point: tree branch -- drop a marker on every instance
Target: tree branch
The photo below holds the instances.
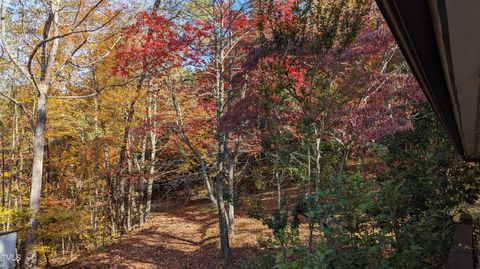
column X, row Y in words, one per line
column 16, row 102
column 40, row 44
column 3, row 42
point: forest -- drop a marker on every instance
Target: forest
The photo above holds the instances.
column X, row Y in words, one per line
column 220, row 134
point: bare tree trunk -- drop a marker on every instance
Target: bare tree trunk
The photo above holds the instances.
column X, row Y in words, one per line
column 141, row 183
column 152, row 112
column 318, row 154
column 130, row 201
column 121, row 220
column 110, row 210
column 20, row 176
column 2, row 142
column 309, row 168
column 95, row 174
column 231, row 194
column 233, row 158
column 186, row 140
column 277, row 168
column 222, row 216
column 341, row 163
column 37, row 172
column 130, row 205
column 15, row 150
column 124, row 198
column 222, row 140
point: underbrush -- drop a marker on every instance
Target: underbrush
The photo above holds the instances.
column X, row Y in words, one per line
column 265, row 260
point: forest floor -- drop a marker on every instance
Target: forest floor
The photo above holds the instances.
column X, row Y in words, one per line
column 182, row 235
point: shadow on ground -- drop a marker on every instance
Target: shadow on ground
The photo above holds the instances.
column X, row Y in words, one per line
column 177, row 236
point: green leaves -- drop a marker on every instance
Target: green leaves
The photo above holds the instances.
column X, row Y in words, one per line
column 424, row 183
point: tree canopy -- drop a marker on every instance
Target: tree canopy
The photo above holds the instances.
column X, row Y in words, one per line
column 108, row 108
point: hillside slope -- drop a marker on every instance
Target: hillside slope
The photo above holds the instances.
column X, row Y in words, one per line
column 177, row 236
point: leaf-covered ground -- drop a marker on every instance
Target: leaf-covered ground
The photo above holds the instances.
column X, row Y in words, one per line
column 180, row 236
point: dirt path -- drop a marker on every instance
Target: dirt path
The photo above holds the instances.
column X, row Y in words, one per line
column 177, row 236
